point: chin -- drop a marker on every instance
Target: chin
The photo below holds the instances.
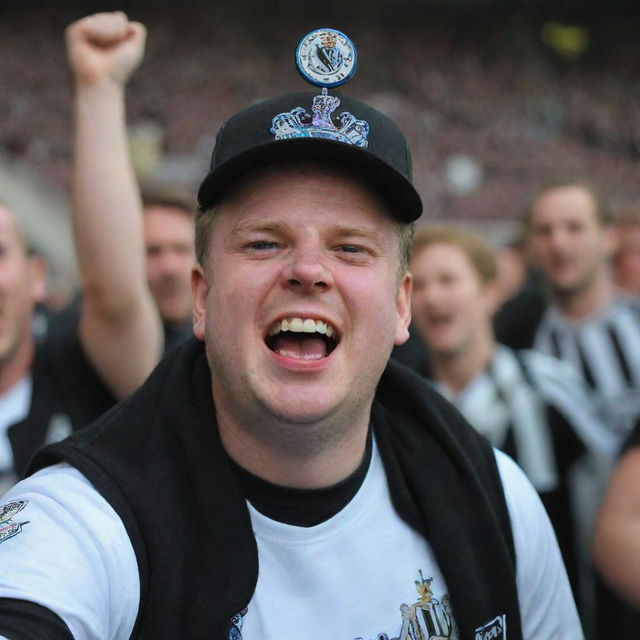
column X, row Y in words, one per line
column 301, row 406
column 300, row 415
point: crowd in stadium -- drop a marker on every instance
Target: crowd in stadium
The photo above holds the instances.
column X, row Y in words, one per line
column 494, row 92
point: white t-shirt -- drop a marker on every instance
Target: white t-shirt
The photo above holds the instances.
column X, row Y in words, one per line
column 14, row 407
column 361, row 574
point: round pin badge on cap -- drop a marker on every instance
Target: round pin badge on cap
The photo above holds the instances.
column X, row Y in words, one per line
column 326, row 58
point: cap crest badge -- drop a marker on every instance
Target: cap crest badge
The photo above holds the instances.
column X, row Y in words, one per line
column 326, row 58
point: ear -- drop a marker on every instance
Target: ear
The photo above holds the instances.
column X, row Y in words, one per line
column 403, row 310
column 38, row 269
column 199, row 291
column 492, row 296
column 610, row 240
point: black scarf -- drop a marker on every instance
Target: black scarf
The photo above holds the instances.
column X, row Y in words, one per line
column 158, row 460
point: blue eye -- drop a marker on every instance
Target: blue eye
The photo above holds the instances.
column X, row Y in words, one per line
column 350, row 248
column 264, row 245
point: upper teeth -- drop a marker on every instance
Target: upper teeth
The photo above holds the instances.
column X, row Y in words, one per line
column 298, row 325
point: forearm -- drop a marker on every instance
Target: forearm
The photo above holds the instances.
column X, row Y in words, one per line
column 616, row 548
column 107, row 211
column 119, row 326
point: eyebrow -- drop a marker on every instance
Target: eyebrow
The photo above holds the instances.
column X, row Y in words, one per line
column 258, row 225
column 351, row 231
column 338, row 229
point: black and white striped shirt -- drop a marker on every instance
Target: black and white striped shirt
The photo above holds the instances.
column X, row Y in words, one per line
column 509, row 404
column 605, row 349
column 537, row 409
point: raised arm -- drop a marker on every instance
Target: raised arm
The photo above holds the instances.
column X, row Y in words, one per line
column 616, row 548
column 120, row 327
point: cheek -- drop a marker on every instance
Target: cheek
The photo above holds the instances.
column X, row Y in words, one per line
column 152, row 266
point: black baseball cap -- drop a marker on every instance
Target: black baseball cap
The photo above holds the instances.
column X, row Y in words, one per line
column 246, row 142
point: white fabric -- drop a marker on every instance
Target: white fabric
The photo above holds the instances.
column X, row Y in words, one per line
column 14, row 407
column 560, row 385
column 501, row 400
column 617, row 399
column 352, row 575
column 74, row 557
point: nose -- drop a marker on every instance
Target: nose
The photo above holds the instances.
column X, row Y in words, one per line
column 558, row 238
column 169, row 263
column 307, row 272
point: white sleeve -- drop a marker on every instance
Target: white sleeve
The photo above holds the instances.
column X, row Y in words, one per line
column 63, row 547
column 546, row 603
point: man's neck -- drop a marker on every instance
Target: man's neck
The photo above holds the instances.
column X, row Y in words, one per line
column 298, row 456
column 16, row 365
column 578, row 305
column 455, row 370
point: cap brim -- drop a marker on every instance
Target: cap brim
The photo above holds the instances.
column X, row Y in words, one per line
column 400, row 195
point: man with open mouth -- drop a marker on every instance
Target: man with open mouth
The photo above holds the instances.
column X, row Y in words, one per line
column 277, row 476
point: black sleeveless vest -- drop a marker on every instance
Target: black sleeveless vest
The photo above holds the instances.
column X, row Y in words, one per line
column 159, row 462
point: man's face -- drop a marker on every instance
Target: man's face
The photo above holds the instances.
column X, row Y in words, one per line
column 566, row 239
column 296, row 245
column 168, row 233
column 627, row 263
column 450, row 304
column 21, row 285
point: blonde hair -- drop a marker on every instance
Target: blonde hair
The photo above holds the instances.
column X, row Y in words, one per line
column 471, row 244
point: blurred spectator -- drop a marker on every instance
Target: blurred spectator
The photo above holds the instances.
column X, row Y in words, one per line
column 528, row 404
column 83, row 364
column 626, row 260
column 168, row 233
column 585, row 323
column 513, row 267
column 616, row 547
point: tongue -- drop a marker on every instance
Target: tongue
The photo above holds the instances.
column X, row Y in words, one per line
column 301, row 348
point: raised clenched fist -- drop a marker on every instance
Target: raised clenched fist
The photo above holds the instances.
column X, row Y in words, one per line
column 105, row 47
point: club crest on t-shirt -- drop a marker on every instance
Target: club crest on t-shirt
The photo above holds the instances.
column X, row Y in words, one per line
column 429, row 618
column 8, row 528
column 235, row 625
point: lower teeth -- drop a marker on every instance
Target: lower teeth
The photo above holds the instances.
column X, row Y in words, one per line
column 298, row 356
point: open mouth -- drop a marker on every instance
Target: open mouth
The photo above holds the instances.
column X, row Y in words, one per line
column 439, row 321
column 302, row 339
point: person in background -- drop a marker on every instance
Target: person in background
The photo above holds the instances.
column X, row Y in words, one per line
column 168, row 235
column 626, row 259
column 585, row 322
column 530, row 405
column 616, row 545
column 86, row 361
column 513, row 267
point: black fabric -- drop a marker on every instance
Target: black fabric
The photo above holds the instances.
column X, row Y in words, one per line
column 585, row 365
column 175, row 335
column 620, row 355
column 158, row 459
column 413, row 353
column 634, row 437
column 302, row 507
column 22, row 620
column 66, row 387
column 517, row 321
